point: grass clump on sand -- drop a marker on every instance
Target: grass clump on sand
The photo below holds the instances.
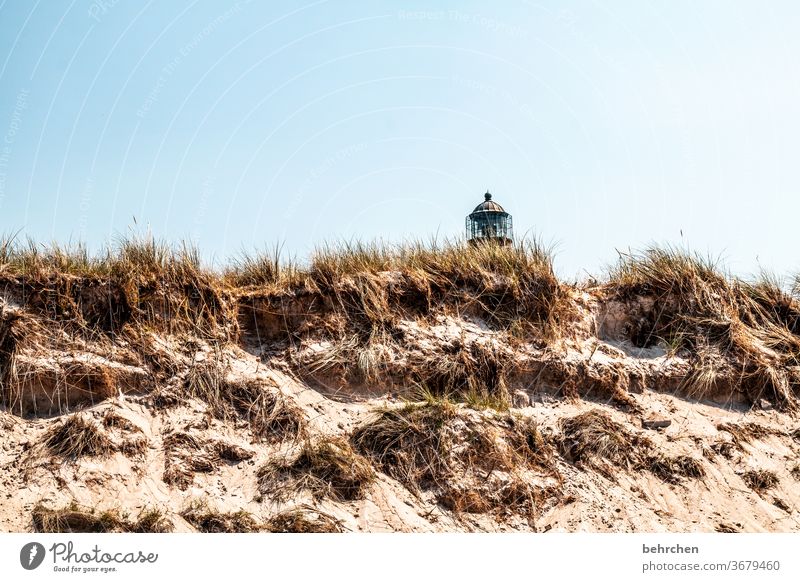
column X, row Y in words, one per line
column 272, row 415
column 207, row 520
column 326, row 467
column 760, row 480
column 411, row 443
column 740, row 336
column 474, row 374
column 303, row 519
column 76, row 519
column 471, row 462
column 77, row 437
column 594, row 440
column 674, row 469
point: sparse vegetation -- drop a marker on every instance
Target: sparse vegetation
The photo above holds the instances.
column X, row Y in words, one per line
column 76, row 519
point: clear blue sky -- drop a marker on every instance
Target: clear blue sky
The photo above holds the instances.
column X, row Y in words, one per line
column 598, row 125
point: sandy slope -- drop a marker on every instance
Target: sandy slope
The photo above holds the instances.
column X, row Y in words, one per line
column 633, row 501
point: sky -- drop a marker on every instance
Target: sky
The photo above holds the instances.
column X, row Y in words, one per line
column 602, row 127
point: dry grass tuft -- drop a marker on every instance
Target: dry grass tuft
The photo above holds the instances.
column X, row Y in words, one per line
column 272, row 415
column 473, row 373
column 11, row 334
column 327, row 467
column 675, row 469
column 304, row 519
column 410, row 444
column 760, row 480
column 265, row 269
column 77, row 437
column 595, row 440
column 76, row 519
column 134, row 447
column 73, row 519
column 7, row 421
column 782, row 504
column 231, row 452
column 207, row 520
column 151, row 521
column 140, row 281
column 725, row 448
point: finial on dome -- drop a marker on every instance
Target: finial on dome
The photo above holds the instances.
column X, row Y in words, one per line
column 487, row 196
